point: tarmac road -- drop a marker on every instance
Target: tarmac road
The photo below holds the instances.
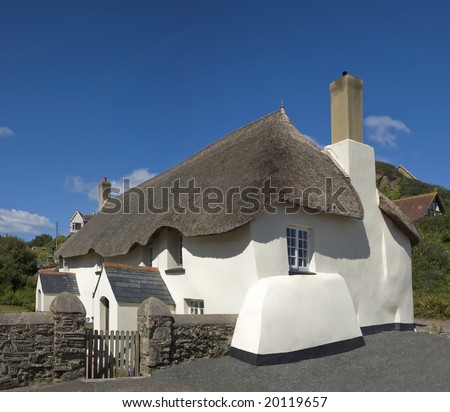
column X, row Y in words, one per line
column 390, row 361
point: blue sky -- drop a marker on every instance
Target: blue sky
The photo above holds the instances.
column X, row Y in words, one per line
column 130, row 88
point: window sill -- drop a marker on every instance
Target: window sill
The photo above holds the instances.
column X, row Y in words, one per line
column 300, row 272
column 176, row 271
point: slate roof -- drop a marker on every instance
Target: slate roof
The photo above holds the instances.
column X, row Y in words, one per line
column 416, row 207
column 134, row 284
column 53, row 282
column 268, row 149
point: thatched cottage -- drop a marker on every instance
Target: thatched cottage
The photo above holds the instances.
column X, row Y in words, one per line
column 263, row 223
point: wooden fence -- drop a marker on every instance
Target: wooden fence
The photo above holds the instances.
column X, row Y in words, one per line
column 111, row 354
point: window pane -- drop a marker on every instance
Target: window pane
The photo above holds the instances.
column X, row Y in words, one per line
column 297, row 248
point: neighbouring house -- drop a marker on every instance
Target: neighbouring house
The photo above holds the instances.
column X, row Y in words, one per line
column 405, row 172
column 263, row 223
column 415, row 207
column 50, row 283
column 78, row 220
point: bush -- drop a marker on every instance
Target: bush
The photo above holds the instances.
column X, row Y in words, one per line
column 431, row 279
column 24, row 297
column 432, row 306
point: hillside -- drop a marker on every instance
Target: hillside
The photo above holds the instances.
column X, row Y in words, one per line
column 396, row 186
column 431, row 257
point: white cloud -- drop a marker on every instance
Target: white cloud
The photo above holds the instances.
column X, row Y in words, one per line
column 136, row 177
column 77, row 185
column 384, row 130
column 5, row 132
column 18, row 221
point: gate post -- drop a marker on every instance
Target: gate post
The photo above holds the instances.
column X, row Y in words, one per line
column 69, row 317
column 155, row 325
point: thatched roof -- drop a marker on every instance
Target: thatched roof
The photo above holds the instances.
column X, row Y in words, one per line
column 389, row 208
column 269, row 148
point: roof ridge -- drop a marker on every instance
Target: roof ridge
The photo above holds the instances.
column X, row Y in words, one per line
column 130, row 267
column 416, row 196
column 54, row 272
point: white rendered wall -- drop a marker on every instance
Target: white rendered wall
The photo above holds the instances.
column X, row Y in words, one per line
column 127, row 316
column 381, row 287
column 283, row 314
column 39, row 301
column 44, row 300
column 135, row 257
column 84, row 268
column 104, row 290
column 219, row 269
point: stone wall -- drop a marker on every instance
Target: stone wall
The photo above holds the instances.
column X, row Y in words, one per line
column 26, row 349
column 43, row 347
column 201, row 336
column 168, row 339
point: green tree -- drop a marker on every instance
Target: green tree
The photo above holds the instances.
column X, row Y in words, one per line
column 40, row 240
column 17, row 265
column 51, row 246
column 16, row 261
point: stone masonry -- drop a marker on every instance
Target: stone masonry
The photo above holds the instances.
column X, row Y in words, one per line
column 168, row 339
column 26, row 349
column 43, row 347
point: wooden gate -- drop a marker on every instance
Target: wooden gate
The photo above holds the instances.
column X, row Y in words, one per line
column 111, row 354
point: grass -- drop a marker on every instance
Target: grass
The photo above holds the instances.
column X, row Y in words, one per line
column 447, row 247
column 12, row 309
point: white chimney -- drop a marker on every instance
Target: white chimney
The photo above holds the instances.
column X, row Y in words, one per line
column 346, row 109
column 347, row 149
column 104, row 191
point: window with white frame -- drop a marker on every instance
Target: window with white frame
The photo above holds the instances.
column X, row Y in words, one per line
column 195, row 306
column 76, row 226
column 298, row 245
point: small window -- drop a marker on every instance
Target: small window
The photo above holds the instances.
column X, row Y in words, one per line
column 434, row 209
column 195, row 306
column 298, row 248
column 66, row 264
column 76, row 226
